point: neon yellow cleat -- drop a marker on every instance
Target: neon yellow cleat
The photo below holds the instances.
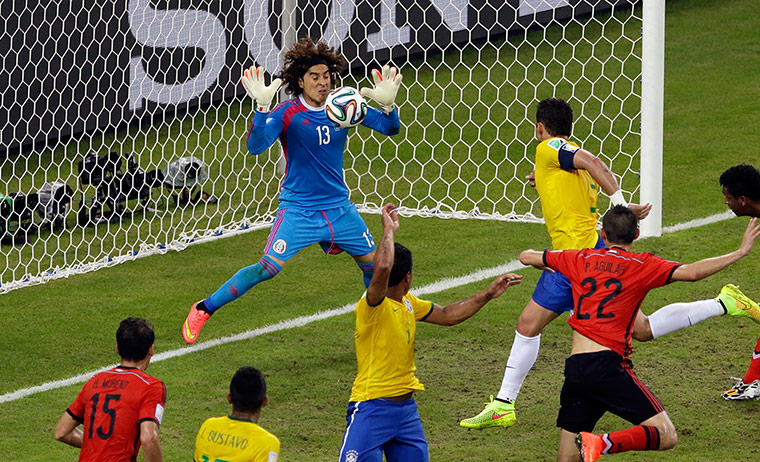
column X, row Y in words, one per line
column 738, row 304
column 194, row 323
column 496, row 414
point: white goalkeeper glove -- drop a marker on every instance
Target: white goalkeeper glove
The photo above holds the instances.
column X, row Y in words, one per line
column 253, row 81
column 386, row 87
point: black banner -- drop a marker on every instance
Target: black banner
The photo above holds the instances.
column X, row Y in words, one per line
column 74, row 67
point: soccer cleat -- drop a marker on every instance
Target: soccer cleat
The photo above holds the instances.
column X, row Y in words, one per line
column 194, row 323
column 590, row 446
column 496, row 414
column 742, row 391
column 738, row 304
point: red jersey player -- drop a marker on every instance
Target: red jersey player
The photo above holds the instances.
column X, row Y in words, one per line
column 120, row 408
column 608, row 287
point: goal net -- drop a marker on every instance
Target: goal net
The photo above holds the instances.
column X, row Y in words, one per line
column 125, row 124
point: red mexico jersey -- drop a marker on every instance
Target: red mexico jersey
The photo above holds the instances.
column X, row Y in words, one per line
column 608, row 288
column 112, row 405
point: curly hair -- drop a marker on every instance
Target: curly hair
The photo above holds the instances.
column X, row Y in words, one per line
column 301, row 57
column 742, row 180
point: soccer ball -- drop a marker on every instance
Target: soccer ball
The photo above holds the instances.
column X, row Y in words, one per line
column 345, row 107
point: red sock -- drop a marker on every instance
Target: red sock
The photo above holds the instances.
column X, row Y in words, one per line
column 641, row 438
column 753, row 373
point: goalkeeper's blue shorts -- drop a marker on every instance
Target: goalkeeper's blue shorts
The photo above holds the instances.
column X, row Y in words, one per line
column 379, row 426
column 335, row 230
column 553, row 290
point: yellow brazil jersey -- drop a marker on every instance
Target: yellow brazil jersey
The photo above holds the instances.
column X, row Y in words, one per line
column 384, row 342
column 568, row 198
column 235, row 440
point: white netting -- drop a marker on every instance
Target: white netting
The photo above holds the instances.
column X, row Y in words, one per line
column 157, row 86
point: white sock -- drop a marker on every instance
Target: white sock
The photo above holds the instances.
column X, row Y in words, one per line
column 676, row 316
column 521, row 360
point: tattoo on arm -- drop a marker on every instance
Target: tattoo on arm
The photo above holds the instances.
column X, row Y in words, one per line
column 385, row 244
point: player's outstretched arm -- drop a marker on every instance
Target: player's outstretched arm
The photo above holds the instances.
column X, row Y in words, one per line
column 253, row 82
column 265, row 128
column 386, row 87
column 709, row 266
column 534, row 258
column 67, row 431
column 384, row 255
column 455, row 313
column 601, row 174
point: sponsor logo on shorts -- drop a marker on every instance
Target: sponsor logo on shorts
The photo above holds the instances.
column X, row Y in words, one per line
column 280, row 246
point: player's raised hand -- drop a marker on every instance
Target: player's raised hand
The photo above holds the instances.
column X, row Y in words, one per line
column 641, row 211
column 390, row 218
column 750, row 235
column 387, row 84
column 253, row 82
column 501, row 284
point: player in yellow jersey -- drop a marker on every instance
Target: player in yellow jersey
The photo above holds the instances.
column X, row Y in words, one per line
column 568, row 180
column 382, row 416
column 238, row 437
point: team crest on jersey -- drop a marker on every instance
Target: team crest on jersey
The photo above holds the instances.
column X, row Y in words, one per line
column 408, row 306
column 556, row 143
column 352, row 456
column 280, row 246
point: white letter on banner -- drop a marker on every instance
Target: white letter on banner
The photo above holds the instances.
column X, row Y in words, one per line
column 453, row 12
column 389, row 34
column 260, row 41
column 174, row 29
column 341, row 15
column 531, row 7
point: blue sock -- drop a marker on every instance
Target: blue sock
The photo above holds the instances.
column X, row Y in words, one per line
column 242, row 282
column 368, row 269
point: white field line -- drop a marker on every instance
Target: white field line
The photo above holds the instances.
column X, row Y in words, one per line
column 433, row 288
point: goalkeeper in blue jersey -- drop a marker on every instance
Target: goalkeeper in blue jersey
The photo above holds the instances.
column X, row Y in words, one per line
column 314, row 201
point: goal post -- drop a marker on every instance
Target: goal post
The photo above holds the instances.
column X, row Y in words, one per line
column 126, row 122
column 652, row 113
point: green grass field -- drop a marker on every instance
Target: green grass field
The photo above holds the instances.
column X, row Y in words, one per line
column 66, row 327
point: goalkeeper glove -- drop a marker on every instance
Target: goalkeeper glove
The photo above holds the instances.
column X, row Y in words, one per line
column 386, row 87
column 253, row 81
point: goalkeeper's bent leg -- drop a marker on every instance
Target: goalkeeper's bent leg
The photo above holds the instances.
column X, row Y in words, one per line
column 242, row 282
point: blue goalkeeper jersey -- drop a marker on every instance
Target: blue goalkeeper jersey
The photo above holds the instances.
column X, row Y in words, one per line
column 314, row 150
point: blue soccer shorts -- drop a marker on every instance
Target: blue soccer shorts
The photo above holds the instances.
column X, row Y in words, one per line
column 335, row 230
column 554, row 291
column 379, row 426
